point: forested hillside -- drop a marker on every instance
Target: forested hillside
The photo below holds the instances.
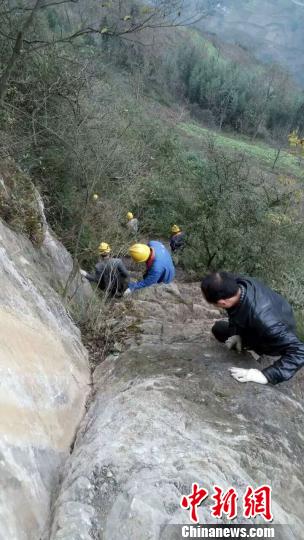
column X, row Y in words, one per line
column 271, row 29
column 126, row 101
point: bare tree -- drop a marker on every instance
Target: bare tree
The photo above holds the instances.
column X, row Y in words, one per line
column 19, row 25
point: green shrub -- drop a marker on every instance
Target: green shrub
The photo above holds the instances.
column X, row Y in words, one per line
column 233, row 219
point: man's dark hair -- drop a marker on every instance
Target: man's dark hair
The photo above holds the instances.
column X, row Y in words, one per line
column 219, row 286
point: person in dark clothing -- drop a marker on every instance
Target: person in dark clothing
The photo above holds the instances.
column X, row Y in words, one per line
column 110, row 273
column 177, row 238
column 259, row 320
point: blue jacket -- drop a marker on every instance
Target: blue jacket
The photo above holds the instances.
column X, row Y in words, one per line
column 161, row 271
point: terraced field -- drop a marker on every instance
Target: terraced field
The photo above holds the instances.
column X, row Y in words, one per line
column 262, row 155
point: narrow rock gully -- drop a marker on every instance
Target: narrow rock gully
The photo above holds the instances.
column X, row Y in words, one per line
column 165, row 413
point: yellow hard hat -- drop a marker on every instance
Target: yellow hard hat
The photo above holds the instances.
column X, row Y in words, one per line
column 95, row 197
column 139, row 252
column 130, row 215
column 175, row 229
column 104, row 248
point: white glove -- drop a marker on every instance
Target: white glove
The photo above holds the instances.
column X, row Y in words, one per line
column 234, row 342
column 248, row 375
column 127, row 292
column 83, row 272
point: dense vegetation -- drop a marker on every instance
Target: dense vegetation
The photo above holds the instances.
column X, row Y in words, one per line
column 95, row 98
column 247, row 98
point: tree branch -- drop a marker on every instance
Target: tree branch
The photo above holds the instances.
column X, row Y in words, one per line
column 16, row 51
column 43, row 6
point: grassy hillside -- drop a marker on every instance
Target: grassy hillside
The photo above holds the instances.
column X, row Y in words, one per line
column 260, row 154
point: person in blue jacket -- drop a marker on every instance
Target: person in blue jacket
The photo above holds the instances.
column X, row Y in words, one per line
column 159, row 265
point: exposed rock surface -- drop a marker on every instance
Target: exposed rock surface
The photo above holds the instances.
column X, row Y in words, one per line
column 45, row 380
column 166, row 413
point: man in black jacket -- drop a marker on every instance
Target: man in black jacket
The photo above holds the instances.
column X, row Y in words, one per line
column 110, row 273
column 177, row 238
column 260, row 320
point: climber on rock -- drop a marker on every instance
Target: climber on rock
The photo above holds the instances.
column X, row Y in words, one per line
column 110, row 273
column 159, row 265
column 259, row 320
column 132, row 223
column 177, row 238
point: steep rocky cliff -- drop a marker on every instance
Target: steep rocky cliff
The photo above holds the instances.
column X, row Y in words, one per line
column 163, row 411
column 45, row 378
column 166, row 413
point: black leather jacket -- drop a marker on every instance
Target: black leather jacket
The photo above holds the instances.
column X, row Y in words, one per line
column 266, row 323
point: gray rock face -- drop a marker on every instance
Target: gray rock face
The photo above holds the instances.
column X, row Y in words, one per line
column 166, row 413
column 44, row 380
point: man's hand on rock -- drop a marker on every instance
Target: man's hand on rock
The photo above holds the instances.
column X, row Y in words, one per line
column 248, row 375
column 234, row 342
column 83, row 273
